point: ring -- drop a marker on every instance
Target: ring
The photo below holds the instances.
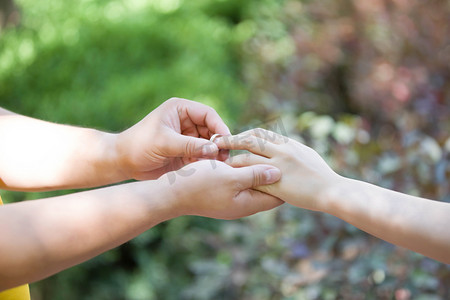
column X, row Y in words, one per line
column 214, row 136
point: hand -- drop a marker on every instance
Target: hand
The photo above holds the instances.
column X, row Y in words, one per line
column 213, row 189
column 305, row 175
column 174, row 134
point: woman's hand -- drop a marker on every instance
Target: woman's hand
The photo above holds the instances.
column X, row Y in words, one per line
column 305, row 175
column 415, row 223
column 213, row 189
column 174, row 134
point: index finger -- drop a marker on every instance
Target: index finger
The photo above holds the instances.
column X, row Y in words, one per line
column 249, row 142
column 203, row 115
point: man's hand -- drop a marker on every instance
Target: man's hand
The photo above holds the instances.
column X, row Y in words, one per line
column 39, row 155
column 64, row 231
column 213, row 189
column 174, row 134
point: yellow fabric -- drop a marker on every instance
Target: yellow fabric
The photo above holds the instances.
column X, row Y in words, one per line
column 18, row 293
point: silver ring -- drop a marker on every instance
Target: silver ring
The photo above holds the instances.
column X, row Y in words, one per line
column 214, row 136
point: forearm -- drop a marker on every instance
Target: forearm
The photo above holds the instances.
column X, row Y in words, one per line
column 415, row 223
column 38, row 155
column 39, row 238
column 307, row 181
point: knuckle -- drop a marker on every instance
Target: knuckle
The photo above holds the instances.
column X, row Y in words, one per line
column 188, row 147
column 257, row 177
column 210, row 109
column 249, row 141
column 173, row 99
column 259, row 131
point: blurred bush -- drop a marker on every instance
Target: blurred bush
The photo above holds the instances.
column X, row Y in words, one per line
column 366, row 84
column 108, row 63
column 387, row 61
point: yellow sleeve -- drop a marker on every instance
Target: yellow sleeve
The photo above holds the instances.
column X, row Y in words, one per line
column 18, row 293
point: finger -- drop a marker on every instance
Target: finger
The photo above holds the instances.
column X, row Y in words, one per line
column 188, row 146
column 245, row 160
column 253, row 176
column 253, row 201
column 223, row 155
column 247, row 142
column 191, row 129
column 204, row 132
column 268, row 135
column 203, row 115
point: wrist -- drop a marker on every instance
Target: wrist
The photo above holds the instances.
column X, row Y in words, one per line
column 111, row 158
column 152, row 198
column 173, row 195
column 331, row 199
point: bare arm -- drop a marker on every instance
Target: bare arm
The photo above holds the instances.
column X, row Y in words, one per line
column 39, row 155
column 415, row 223
column 41, row 237
column 419, row 224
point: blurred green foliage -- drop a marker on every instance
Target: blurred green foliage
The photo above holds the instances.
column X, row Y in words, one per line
column 365, row 83
column 108, row 63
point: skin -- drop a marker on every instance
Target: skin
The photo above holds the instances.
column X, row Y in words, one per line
column 70, row 229
column 415, row 223
column 42, row 237
column 39, row 156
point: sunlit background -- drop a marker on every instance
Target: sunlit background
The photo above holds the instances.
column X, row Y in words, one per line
column 365, row 83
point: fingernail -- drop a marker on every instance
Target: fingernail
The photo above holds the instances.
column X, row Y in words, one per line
column 272, row 175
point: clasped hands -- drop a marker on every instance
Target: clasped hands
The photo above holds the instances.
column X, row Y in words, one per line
column 172, row 145
column 180, row 172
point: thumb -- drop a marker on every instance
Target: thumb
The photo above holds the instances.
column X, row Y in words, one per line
column 189, row 146
column 257, row 175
